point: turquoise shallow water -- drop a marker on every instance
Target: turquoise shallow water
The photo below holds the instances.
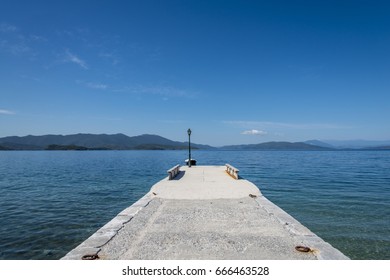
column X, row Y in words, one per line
column 50, row 201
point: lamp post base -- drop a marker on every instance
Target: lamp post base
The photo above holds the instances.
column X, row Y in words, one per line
column 193, row 162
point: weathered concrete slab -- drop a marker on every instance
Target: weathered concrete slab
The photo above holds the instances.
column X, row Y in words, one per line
column 204, row 229
column 204, row 213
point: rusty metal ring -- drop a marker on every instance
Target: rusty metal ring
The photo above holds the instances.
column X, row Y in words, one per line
column 303, row 249
column 90, row 257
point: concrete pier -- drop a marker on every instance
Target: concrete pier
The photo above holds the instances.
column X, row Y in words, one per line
column 204, row 213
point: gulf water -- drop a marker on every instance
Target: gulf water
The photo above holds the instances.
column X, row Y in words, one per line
column 50, row 201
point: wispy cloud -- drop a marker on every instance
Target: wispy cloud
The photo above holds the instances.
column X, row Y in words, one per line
column 15, row 48
column 12, row 40
column 70, row 57
column 97, row 86
column 173, row 121
column 37, row 38
column 31, row 78
column 113, row 58
column 254, row 132
column 7, row 28
column 6, row 112
column 267, row 124
column 17, row 42
column 164, row 91
column 105, row 118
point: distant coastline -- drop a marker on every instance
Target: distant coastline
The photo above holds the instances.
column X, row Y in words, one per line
column 87, row 142
column 84, row 142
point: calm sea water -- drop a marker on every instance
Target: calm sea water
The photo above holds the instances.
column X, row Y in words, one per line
column 50, row 201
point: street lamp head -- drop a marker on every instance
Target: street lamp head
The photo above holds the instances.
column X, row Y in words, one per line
column 189, row 132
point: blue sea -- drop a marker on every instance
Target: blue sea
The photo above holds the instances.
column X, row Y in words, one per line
column 50, row 201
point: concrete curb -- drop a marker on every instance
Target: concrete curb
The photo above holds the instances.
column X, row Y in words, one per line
column 92, row 245
column 321, row 249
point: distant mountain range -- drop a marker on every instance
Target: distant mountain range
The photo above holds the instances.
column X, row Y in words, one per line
column 350, row 144
column 296, row 146
column 154, row 142
column 94, row 142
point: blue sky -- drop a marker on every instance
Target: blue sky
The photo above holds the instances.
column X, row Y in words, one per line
column 235, row 72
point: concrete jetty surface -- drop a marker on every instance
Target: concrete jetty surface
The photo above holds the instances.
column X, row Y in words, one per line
column 204, row 213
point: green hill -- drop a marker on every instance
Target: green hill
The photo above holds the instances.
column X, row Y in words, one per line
column 94, row 142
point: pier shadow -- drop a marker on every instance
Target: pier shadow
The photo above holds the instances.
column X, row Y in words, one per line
column 179, row 176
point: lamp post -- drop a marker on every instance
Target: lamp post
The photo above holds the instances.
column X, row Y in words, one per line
column 189, row 147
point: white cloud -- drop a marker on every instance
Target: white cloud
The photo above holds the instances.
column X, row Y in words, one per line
column 6, row 112
column 254, row 132
column 75, row 59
